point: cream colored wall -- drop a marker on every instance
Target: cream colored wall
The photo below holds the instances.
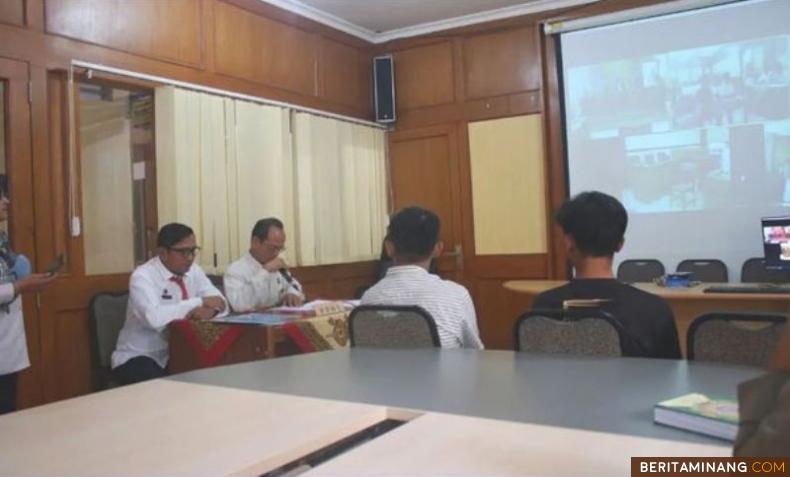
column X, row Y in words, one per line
column 106, row 169
column 508, row 190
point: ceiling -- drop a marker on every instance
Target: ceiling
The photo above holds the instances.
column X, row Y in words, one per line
column 378, row 21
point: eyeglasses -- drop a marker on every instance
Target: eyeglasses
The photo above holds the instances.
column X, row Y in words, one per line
column 186, row 252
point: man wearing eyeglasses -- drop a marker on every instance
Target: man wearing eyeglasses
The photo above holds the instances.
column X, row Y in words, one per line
column 260, row 278
column 168, row 287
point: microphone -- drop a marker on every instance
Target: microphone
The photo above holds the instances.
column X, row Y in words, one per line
column 284, row 272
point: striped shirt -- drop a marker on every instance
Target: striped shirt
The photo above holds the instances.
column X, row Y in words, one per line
column 448, row 303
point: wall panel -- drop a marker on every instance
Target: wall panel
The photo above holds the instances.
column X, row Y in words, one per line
column 168, row 30
column 424, row 76
column 502, row 62
column 344, row 74
column 256, row 48
column 12, row 11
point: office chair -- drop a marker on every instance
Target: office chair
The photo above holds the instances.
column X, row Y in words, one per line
column 737, row 338
column 389, row 326
column 705, row 269
column 640, row 270
column 107, row 316
column 755, row 271
column 582, row 332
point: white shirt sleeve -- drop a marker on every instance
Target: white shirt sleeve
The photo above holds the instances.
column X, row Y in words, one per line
column 204, row 287
column 145, row 303
column 248, row 293
column 7, row 294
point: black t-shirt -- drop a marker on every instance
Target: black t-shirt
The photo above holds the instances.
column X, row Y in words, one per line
column 647, row 318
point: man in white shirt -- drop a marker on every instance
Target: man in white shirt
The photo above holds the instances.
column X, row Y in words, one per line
column 412, row 241
column 260, row 278
column 166, row 288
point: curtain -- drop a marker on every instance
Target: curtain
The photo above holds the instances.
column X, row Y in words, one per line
column 341, row 183
column 262, row 170
column 222, row 164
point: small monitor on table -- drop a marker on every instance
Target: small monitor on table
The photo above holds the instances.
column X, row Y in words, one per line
column 776, row 242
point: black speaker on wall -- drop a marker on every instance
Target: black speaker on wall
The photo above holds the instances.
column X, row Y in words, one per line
column 384, row 88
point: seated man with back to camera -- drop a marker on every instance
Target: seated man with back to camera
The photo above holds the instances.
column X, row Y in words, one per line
column 594, row 225
column 412, row 241
column 168, row 287
column 260, row 278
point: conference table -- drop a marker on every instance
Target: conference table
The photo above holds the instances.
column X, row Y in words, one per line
column 686, row 303
column 444, row 412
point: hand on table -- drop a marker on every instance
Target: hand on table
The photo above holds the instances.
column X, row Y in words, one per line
column 214, row 302
column 293, row 300
column 202, row 313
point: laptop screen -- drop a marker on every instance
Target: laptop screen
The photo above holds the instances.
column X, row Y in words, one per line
column 776, row 242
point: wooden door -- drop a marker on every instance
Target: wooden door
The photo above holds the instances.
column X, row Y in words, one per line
column 15, row 155
column 424, row 171
column 488, row 270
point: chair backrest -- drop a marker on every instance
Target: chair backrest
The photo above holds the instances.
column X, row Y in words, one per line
column 107, row 316
column 640, row 270
column 705, row 269
column 380, row 326
column 217, row 281
column 582, row 332
column 755, row 271
column 738, row 338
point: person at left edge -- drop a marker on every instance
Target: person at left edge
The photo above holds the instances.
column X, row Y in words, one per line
column 13, row 343
column 168, row 287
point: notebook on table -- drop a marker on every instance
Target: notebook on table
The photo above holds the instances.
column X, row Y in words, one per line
column 698, row 413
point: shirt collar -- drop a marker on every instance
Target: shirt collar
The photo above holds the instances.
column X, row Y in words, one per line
column 253, row 261
column 406, row 270
column 164, row 272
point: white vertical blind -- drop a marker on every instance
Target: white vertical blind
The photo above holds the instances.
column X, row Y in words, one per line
column 222, row 164
column 342, row 194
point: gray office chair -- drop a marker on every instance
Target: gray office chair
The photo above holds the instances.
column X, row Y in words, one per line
column 736, row 338
column 378, row 326
column 646, row 270
column 755, row 271
column 705, row 269
column 107, row 316
column 582, row 332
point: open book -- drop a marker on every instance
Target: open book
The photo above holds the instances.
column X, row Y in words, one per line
column 314, row 308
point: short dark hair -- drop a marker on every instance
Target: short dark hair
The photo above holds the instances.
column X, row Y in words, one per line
column 172, row 233
column 261, row 229
column 3, row 185
column 414, row 232
column 596, row 221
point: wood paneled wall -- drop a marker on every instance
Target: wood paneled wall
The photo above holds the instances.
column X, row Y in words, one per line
column 245, row 46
